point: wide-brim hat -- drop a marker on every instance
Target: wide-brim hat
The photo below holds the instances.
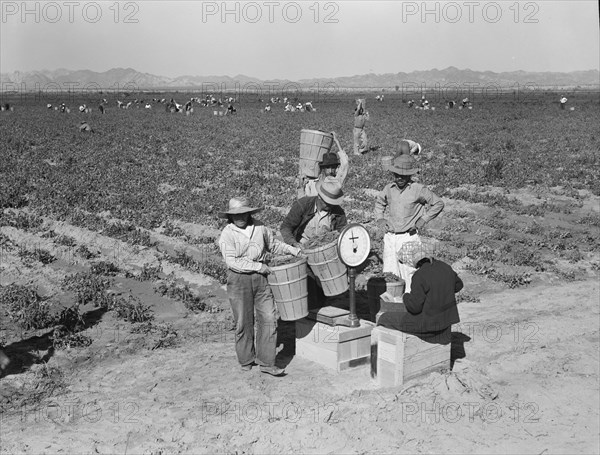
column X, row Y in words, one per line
column 237, row 206
column 330, row 159
column 330, row 191
column 404, row 165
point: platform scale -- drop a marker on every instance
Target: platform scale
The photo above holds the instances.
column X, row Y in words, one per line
column 331, row 336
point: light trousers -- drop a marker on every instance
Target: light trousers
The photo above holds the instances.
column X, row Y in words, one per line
column 391, row 245
column 360, row 140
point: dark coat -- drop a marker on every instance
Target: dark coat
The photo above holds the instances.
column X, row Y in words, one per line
column 302, row 211
column 431, row 304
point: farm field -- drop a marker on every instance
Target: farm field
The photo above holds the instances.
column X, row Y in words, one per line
column 114, row 313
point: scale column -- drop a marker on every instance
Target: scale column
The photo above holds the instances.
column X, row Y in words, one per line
column 354, row 322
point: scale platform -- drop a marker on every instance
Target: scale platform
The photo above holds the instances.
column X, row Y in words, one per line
column 328, row 315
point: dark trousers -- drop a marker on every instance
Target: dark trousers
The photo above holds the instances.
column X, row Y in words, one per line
column 316, row 297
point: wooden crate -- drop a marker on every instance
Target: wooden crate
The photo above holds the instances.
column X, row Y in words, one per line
column 337, row 347
column 401, row 357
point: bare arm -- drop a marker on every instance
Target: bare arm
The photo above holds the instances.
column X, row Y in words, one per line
column 342, row 171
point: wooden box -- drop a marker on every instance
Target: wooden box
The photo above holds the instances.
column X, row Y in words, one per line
column 401, row 357
column 334, row 347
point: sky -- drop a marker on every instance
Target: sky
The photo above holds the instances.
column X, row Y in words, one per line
column 299, row 40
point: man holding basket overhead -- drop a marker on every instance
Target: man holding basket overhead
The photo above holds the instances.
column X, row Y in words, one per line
column 333, row 167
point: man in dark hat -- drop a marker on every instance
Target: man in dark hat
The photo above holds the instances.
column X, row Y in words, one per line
column 410, row 206
column 333, row 167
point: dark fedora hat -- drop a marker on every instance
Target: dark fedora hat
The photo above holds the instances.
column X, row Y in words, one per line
column 330, row 159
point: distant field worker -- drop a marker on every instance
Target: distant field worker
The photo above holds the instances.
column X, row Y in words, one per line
column 244, row 244
column 410, row 206
column 408, row 147
column 361, row 116
column 563, row 102
column 333, row 167
column 84, row 126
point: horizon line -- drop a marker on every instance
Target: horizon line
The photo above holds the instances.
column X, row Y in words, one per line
column 299, row 79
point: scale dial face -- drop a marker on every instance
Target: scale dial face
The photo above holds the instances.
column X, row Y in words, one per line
column 354, row 245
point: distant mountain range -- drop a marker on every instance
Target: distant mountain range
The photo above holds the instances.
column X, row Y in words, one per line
column 122, row 78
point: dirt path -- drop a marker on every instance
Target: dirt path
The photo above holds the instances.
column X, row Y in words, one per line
column 527, row 383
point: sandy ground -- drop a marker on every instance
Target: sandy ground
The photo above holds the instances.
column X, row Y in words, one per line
column 525, row 378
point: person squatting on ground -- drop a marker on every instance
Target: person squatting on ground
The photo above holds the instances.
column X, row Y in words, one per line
column 244, row 244
column 408, row 147
column 410, row 206
column 360, row 119
column 431, row 304
column 333, row 167
column 311, row 216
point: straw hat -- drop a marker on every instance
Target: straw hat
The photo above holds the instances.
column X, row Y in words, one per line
column 237, row 206
column 330, row 191
column 404, row 165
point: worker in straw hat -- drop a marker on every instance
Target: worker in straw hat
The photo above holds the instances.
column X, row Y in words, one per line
column 410, row 206
column 310, row 217
column 333, row 167
column 431, row 304
column 244, row 244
